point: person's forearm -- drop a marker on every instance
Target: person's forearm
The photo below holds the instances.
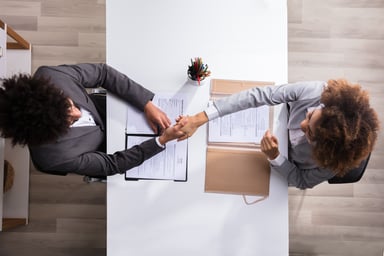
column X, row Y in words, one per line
column 199, row 119
column 125, row 88
column 163, row 139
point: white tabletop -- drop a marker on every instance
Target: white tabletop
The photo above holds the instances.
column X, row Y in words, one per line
column 153, row 42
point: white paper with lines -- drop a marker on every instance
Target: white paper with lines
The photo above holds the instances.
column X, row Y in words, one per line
column 171, row 164
column 246, row 126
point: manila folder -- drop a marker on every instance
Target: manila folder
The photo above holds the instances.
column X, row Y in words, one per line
column 234, row 171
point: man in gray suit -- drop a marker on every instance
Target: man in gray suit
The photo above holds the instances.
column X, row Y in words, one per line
column 331, row 127
column 65, row 128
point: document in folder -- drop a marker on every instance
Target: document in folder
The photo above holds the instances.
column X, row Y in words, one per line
column 235, row 164
column 246, row 126
column 170, row 164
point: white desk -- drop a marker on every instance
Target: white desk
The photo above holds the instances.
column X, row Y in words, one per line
column 153, row 42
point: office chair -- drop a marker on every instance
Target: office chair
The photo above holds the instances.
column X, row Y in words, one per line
column 89, row 179
column 98, row 96
column 353, row 175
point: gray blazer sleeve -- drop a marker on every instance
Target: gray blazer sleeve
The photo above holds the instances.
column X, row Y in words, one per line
column 269, row 95
column 90, row 75
column 302, row 178
column 97, row 163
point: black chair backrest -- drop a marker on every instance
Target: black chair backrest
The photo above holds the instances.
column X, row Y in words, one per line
column 353, row 175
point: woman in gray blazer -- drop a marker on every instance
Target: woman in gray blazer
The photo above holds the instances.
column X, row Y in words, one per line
column 331, row 127
column 53, row 114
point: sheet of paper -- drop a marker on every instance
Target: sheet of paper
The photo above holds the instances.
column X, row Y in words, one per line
column 246, row 126
column 172, row 105
column 171, row 164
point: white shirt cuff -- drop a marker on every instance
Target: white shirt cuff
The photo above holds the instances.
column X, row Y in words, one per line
column 279, row 160
column 158, row 143
column 211, row 111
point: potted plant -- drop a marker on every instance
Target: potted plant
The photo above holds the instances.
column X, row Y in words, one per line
column 198, row 71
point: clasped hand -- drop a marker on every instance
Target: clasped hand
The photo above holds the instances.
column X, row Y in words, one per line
column 270, row 145
column 161, row 124
column 156, row 118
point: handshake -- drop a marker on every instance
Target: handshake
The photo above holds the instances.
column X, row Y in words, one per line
column 186, row 126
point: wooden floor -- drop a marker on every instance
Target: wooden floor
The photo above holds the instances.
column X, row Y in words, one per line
column 326, row 39
column 67, row 216
column 332, row 39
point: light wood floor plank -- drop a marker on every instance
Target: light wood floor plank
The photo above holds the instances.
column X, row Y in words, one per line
column 341, row 204
column 54, row 240
column 72, row 24
column 40, row 251
column 73, row 225
column 334, row 247
column 92, row 40
column 357, row 4
column 20, row 8
column 324, row 189
column 23, row 23
column 72, row 8
column 51, row 38
column 42, row 211
column 69, row 189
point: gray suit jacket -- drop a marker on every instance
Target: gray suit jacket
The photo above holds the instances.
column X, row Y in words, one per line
column 299, row 168
column 79, row 151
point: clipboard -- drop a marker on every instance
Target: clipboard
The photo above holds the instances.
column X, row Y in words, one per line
column 172, row 163
column 237, row 168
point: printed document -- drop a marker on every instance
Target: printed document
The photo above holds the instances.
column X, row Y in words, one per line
column 246, row 126
column 171, row 164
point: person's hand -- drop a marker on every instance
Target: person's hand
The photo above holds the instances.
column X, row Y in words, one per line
column 189, row 124
column 269, row 145
column 171, row 133
column 156, row 117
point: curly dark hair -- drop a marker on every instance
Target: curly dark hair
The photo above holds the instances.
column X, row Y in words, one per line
column 32, row 110
column 347, row 129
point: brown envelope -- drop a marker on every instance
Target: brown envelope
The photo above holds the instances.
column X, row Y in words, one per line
column 234, row 171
